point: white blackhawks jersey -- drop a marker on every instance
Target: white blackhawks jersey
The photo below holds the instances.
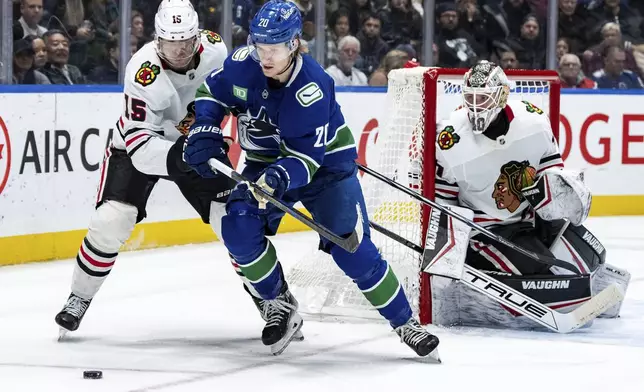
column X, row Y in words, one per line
column 159, row 103
column 487, row 175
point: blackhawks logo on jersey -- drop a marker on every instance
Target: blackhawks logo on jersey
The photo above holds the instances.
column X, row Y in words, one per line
column 531, row 108
column 211, row 36
column 513, row 178
column 447, row 138
column 185, row 124
column 147, row 74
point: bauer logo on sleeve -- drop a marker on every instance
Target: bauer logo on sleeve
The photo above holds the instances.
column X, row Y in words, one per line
column 447, row 138
column 309, row 94
column 147, row 74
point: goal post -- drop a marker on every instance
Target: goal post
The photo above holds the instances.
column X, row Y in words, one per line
column 417, row 99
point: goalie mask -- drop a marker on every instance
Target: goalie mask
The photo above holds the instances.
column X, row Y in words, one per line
column 485, row 94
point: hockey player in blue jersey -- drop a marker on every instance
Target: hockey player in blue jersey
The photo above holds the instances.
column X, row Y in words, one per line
column 298, row 148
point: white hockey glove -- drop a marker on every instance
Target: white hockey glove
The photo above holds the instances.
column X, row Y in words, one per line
column 560, row 194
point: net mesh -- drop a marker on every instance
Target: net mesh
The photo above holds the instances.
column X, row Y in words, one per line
column 398, row 153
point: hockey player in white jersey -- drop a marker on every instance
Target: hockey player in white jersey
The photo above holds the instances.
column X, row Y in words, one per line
column 160, row 84
column 499, row 163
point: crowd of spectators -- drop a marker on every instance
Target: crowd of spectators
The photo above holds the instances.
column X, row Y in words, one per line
column 600, row 41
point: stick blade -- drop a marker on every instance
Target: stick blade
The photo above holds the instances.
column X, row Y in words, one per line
column 597, row 305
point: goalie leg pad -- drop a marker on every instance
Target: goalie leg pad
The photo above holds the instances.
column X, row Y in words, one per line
column 606, row 275
column 446, row 243
column 109, row 228
column 579, row 247
column 376, row 280
column 488, row 255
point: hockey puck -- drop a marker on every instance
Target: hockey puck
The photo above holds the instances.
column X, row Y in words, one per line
column 92, row 374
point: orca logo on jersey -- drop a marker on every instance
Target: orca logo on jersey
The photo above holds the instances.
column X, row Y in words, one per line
column 211, row 36
column 254, row 130
column 447, row 138
column 513, row 178
column 147, row 74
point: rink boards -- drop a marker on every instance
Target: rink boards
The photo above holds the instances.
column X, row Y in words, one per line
column 52, row 144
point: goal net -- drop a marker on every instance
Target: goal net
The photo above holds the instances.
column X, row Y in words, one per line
column 404, row 151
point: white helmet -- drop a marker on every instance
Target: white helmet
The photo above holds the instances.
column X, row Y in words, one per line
column 485, row 93
column 177, row 32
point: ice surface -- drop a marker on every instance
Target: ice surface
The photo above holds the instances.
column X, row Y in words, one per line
column 176, row 319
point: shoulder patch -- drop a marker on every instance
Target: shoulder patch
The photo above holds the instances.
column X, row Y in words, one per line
column 240, row 92
column 309, row 94
column 531, row 108
column 241, row 54
column 211, row 36
column 147, row 74
column 447, row 138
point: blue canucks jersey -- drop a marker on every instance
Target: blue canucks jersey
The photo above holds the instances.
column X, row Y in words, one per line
column 299, row 126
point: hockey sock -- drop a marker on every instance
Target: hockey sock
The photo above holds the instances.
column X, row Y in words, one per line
column 376, row 280
column 92, row 267
column 262, row 272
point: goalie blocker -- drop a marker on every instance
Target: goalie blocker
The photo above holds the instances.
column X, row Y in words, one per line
column 448, row 246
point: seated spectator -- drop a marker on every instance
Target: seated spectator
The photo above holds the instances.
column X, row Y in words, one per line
column 344, row 73
column 40, row 52
column 372, row 47
column 243, row 12
column 503, row 19
column 563, row 47
column 594, row 58
column 628, row 19
column 401, row 24
column 571, row 75
column 138, row 29
column 457, row 48
column 240, row 37
column 529, row 47
column 31, row 12
column 107, row 72
column 307, row 10
column 508, row 60
column 613, row 75
column 395, row 59
column 359, row 10
column 573, row 21
column 338, row 27
column 471, row 21
column 23, row 64
column 58, row 70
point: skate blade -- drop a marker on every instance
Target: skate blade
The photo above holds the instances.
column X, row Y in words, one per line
column 296, row 325
column 298, row 336
column 62, row 332
column 433, row 357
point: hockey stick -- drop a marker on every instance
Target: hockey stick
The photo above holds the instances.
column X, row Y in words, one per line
column 350, row 244
column 544, row 259
column 521, row 303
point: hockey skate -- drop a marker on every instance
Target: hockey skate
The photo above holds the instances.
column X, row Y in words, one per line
column 261, row 304
column 418, row 339
column 70, row 317
column 282, row 321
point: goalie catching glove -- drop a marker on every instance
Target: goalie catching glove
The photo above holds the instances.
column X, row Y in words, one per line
column 559, row 194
